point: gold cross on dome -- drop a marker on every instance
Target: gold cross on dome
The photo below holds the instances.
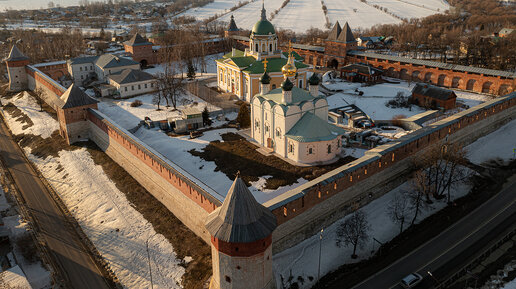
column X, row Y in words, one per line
column 265, row 64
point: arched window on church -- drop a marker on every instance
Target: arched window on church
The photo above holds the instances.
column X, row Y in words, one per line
column 329, row 149
column 278, row 132
column 256, row 47
column 270, row 47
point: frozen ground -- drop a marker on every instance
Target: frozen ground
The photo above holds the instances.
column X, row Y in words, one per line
column 211, row 67
column 117, row 230
column 45, row 124
column 300, row 15
column 500, row 144
column 374, row 98
column 301, row 260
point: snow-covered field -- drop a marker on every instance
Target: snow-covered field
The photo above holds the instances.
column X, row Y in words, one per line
column 359, row 14
column 500, row 144
column 217, row 7
column 247, row 15
column 300, row 15
column 301, row 260
column 118, row 231
column 374, row 98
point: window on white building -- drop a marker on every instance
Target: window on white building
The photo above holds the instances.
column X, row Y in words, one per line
column 291, row 147
column 125, row 88
column 278, row 132
column 139, row 86
column 310, row 151
column 132, row 87
column 145, row 85
column 256, row 123
column 329, row 149
column 80, row 68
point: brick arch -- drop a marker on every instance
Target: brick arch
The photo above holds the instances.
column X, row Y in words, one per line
column 415, row 74
column 391, row 71
column 404, row 74
column 504, row 89
column 486, row 87
column 456, row 82
column 441, row 79
column 470, row 84
column 428, row 77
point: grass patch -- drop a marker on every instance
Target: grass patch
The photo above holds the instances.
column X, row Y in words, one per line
column 235, row 154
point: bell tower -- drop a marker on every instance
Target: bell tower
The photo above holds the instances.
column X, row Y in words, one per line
column 16, row 62
column 241, row 241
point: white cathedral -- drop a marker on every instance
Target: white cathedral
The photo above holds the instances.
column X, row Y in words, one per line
column 293, row 122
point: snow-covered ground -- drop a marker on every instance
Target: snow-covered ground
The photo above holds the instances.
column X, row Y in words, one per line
column 300, row 15
column 247, row 15
column 500, row 144
column 218, row 7
column 301, row 260
column 510, row 285
column 359, row 14
column 118, row 231
column 211, row 67
column 27, row 104
column 374, row 98
column 36, row 274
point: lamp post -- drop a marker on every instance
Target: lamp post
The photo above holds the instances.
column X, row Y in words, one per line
column 431, row 275
column 320, row 249
column 148, row 258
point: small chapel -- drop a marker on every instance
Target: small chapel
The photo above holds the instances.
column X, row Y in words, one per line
column 238, row 72
column 293, row 122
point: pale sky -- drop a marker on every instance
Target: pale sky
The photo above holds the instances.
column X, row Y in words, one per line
column 33, row 4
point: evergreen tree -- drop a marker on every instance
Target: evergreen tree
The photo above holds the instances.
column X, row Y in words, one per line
column 244, row 116
column 191, row 71
column 206, row 121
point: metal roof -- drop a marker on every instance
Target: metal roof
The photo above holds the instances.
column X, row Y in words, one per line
column 240, row 219
column 137, row 40
column 311, row 128
column 433, row 91
column 74, row 96
column 111, row 61
column 441, row 65
column 83, row 60
column 16, row 55
column 308, row 47
column 130, row 76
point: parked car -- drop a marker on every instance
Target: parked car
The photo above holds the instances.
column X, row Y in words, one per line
column 411, row 280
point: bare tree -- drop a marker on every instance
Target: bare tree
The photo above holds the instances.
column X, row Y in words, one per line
column 419, row 191
column 398, row 209
column 354, row 231
column 38, row 93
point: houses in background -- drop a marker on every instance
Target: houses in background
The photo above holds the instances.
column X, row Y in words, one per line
column 430, row 96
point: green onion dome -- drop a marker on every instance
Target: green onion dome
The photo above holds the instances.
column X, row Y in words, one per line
column 265, row 78
column 287, row 85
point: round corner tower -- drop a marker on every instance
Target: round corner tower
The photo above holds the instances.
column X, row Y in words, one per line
column 16, row 63
column 241, row 241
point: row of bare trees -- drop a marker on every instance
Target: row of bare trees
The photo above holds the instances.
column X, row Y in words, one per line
column 437, row 173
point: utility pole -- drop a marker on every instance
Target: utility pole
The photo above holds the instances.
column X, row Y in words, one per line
column 320, row 249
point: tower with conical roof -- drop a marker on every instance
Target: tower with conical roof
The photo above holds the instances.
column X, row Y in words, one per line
column 16, row 62
column 336, row 46
column 72, row 114
column 241, row 241
column 232, row 28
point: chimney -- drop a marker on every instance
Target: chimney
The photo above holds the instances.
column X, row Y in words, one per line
column 233, row 52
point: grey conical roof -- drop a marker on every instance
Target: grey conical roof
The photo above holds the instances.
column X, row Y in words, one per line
column 74, row 96
column 346, row 35
column 16, row 55
column 232, row 24
column 335, row 32
column 240, row 219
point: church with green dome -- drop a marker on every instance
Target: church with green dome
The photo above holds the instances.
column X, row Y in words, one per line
column 239, row 71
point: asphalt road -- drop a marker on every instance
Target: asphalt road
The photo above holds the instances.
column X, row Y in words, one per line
column 448, row 246
column 76, row 265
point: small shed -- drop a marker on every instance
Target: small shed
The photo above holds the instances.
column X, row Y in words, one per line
column 191, row 119
column 361, row 72
column 430, row 96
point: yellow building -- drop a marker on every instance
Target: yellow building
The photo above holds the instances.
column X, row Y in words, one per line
column 239, row 71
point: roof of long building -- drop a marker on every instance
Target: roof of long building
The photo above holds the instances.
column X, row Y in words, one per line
column 433, row 91
column 240, row 219
column 112, row 61
column 436, row 64
column 130, row 75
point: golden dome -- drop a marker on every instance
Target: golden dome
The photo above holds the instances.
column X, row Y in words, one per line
column 289, row 69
